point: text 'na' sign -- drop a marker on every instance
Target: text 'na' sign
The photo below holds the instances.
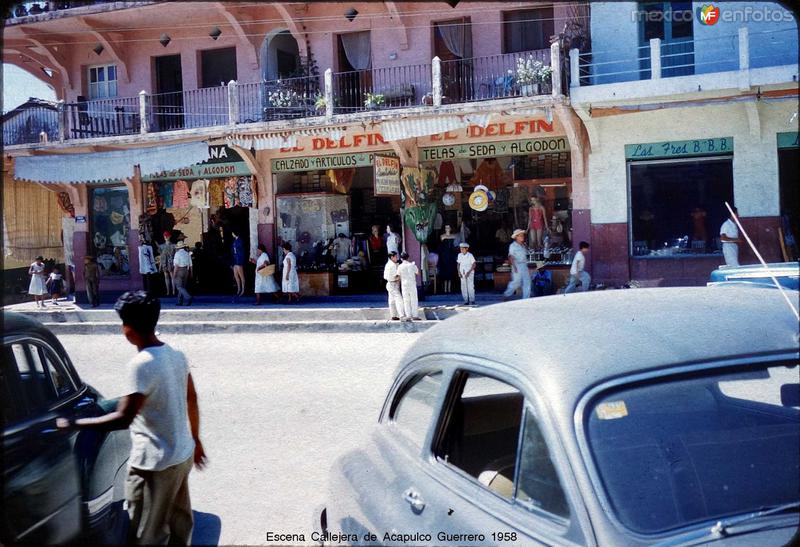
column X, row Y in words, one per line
column 679, row 149
column 387, row 176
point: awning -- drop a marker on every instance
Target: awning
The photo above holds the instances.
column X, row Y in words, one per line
column 406, row 128
column 100, row 167
column 281, row 139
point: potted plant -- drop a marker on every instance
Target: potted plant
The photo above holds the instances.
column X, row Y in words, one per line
column 320, row 103
column 529, row 75
column 373, row 101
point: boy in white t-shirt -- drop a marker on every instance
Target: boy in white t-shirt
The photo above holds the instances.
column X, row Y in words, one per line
column 160, row 408
column 577, row 273
column 466, row 272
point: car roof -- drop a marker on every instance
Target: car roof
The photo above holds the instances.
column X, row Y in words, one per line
column 14, row 323
column 565, row 344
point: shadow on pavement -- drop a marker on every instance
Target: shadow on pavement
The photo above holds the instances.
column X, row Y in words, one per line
column 207, row 529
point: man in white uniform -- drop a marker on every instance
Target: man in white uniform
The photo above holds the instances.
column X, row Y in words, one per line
column 396, row 308
column 408, row 272
column 466, row 272
column 729, row 236
column 518, row 258
column 577, row 273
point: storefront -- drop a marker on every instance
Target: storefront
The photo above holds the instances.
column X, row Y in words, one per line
column 789, row 173
column 328, row 208
column 488, row 180
column 203, row 205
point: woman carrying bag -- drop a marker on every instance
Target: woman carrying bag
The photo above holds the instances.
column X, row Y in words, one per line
column 265, row 282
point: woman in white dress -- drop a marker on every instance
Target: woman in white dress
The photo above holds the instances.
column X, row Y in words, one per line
column 291, row 283
column 265, row 284
column 37, row 288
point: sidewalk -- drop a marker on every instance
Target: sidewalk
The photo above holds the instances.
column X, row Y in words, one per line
column 359, row 313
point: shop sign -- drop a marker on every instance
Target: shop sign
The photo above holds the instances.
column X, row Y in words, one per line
column 788, row 139
column 336, row 161
column 492, row 149
column 80, row 219
column 679, row 149
column 222, row 154
column 387, row 176
column 202, row 171
column 500, row 129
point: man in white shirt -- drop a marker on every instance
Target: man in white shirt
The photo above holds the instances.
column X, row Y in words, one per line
column 182, row 268
column 577, row 273
column 160, row 408
column 518, row 258
column 392, row 277
column 408, row 272
column 729, row 236
column 466, row 272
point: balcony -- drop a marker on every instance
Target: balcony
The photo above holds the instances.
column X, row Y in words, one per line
column 336, row 93
column 33, row 11
column 732, row 61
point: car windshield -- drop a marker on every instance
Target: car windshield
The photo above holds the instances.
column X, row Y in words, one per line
column 680, row 451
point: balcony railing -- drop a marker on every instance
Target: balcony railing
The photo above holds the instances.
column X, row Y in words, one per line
column 441, row 82
column 658, row 59
column 25, row 125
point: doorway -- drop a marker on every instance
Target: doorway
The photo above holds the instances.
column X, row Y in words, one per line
column 355, row 70
column 168, row 101
column 672, row 23
column 788, row 173
column 452, row 43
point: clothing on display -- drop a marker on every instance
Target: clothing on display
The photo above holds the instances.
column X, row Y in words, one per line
column 489, row 173
column 216, row 193
column 447, row 174
column 180, row 198
column 447, row 259
column 231, row 194
column 245, row 191
column 165, row 191
column 147, row 261
column 150, row 203
column 199, row 197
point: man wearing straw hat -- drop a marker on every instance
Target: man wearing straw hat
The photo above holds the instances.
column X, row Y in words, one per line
column 466, row 272
column 518, row 258
column 182, row 267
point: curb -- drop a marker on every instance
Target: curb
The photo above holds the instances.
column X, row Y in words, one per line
column 218, row 327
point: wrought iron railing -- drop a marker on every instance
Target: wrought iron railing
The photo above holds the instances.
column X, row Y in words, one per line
column 25, row 125
column 205, row 107
column 381, row 88
column 102, row 118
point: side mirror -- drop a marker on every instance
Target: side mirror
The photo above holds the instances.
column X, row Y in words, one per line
column 790, row 395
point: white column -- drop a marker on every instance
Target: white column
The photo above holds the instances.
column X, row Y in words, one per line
column 744, row 59
column 574, row 68
column 655, row 58
column 436, row 80
column 328, row 82
column 144, row 126
column 62, row 120
column 555, row 64
column 233, row 103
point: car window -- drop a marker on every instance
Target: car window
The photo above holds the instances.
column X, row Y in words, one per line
column 481, row 437
column 33, row 384
column 538, row 485
column 11, row 407
column 414, row 408
column 59, row 381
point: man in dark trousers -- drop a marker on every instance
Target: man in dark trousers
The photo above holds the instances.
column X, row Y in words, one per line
column 160, row 407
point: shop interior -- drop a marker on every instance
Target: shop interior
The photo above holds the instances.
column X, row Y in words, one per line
column 789, row 174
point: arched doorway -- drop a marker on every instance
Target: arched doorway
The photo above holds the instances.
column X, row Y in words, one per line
column 279, row 55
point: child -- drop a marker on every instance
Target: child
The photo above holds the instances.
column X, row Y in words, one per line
column 55, row 284
column 466, row 272
column 408, row 273
column 36, row 288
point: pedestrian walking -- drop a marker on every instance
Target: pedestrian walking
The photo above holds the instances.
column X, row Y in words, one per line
column 466, row 272
column 36, row 286
column 237, row 253
column 160, row 408
column 518, row 258
column 577, row 272
column 182, row 270
column 396, row 306
column 147, row 266
column 291, row 282
column 265, row 282
column 165, row 262
column 408, row 272
column 729, row 236
column 91, row 277
column 55, row 284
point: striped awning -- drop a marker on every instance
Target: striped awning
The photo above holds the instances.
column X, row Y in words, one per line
column 273, row 140
column 103, row 167
column 406, row 128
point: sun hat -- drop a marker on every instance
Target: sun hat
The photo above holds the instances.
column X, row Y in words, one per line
column 464, row 244
column 181, row 245
column 517, row 232
column 479, row 201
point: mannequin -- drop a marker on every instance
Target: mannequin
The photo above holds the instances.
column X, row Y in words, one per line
column 392, row 240
column 536, row 223
column 375, row 242
column 447, row 257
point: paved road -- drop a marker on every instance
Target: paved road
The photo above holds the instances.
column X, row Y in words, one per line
column 276, row 411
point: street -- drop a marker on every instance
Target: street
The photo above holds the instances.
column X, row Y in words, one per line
column 276, row 411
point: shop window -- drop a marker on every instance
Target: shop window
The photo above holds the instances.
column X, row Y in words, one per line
column 109, row 229
column 414, row 409
column 102, row 81
column 527, row 30
column 217, row 66
column 677, row 206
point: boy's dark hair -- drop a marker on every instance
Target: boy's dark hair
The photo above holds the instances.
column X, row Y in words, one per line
column 583, row 245
column 404, row 256
column 139, row 310
column 287, row 246
column 262, row 247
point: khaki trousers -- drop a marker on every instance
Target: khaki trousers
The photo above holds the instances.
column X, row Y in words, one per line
column 159, row 507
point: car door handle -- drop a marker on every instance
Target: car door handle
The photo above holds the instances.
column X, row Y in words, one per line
column 414, row 500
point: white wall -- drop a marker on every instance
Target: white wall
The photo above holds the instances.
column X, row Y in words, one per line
column 755, row 162
column 615, row 37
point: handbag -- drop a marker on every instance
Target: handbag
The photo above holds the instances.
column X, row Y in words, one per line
column 267, row 270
